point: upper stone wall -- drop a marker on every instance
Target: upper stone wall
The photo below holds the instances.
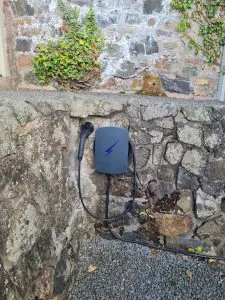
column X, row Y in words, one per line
column 140, row 36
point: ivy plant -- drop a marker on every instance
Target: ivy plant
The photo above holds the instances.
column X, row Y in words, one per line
column 72, row 61
column 209, row 16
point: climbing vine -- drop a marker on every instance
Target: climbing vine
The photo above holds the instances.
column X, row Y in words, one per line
column 208, row 16
column 72, row 61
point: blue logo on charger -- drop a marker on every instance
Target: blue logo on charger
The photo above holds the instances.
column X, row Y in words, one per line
column 110, row 149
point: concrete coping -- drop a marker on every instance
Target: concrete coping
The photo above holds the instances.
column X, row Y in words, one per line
column 133, row 99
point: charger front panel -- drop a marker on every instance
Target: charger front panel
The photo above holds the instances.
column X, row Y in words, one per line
column 111, row 150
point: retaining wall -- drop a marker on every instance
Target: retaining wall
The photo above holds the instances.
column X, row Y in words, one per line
column 180, row 152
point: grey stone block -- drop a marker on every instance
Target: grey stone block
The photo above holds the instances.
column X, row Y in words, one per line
column 23, row 45
column 137, row 47
column 133, row 18
column 186, row 180
column 127, row 69
column 151, row 46
column 176, row 85
column 151, row 6
column 22, row 8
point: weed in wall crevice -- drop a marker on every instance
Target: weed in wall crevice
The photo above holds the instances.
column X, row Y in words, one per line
column 71, row 62
column 209, row 17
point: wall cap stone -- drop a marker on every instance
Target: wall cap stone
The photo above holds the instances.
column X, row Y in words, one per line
column 72, row 100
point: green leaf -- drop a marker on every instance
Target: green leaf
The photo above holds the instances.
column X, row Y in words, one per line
column 208, row 17
column 73, row 57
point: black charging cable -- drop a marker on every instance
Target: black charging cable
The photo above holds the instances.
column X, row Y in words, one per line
column 147, row 244
column 107, row 219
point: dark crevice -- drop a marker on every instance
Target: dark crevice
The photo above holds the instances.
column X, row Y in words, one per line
column 7, row 156
column 34, row 107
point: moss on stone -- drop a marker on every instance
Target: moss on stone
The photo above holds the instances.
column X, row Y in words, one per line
column 152, row 86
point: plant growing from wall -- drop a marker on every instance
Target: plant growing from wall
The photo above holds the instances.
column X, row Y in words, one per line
column 71, row 61
column 209, row 16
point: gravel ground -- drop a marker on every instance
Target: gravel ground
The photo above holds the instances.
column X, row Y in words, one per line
column 132, row 272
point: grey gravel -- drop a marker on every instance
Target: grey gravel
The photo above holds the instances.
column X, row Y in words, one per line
column 129, row 272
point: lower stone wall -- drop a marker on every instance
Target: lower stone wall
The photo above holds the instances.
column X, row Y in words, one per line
column 180, row 151
column 41, row 221
column 181, row 171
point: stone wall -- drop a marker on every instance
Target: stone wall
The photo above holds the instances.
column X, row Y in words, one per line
column 180, row 151
column 140, row 37
column 42, row 224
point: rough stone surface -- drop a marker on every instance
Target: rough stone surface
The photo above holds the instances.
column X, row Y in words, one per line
column 200, row 114
column 223, row 205
column 186, row 180
column 166, row 173
column 158, row 111
column 133, row 18
column 212, row 140
column 176, row 85
column 24, row 61
column 194, row 161
column 140, row 138
column 151, row 46
column 212, row 233
column 201, row 85
column 166, row 123
column 91, row 108
column 161, row 188
column 22, row 8
column 210, row 186
column 105, row 20
column 216, row 169
column 39, row 204
column 30, row 78
column 23, row 45
column 114, row 50
column 180, row 118
column 183, row 242
column 206, row 205
column 212, row 226
column 213, row 135
column 190, row 135
column 144, row 156
column 190, row 71
column 151, row 6
column 156, row 136
column 172, row 225
column 186, row 201
column 9, row 125
column 174, row 153
column 139, row 34
column 137, row 47
column 39, row 207
column 126, row 69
